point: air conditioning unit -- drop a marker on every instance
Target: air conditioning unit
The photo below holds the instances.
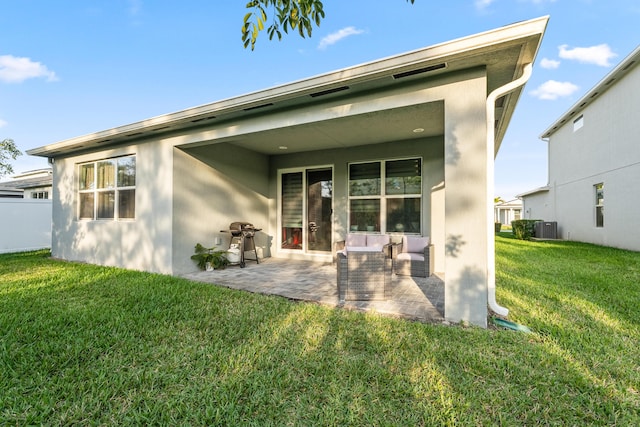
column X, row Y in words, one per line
column 546, row 230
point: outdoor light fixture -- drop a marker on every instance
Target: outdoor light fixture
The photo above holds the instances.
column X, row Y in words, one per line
column 283, row 147
column 418, row 130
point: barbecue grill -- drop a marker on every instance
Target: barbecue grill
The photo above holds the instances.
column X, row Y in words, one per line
column 242, row 239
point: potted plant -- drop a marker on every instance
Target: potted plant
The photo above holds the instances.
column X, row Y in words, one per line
column 209, row 258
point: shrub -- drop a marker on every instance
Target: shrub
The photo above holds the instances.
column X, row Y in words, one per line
column 498, row 227
column 523, row 229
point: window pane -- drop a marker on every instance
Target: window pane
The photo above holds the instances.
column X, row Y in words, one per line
column 127, row 204
column 599, row 204
column 86, row 205
column 364, row 215
column 403, row 215
column 292, row 211
column 599, row 216
column 364, row 179
column 106, row 204
column 599, row 194
column 319, row 198
column 106, row 174
column 403, row 177
column 87, row 177
column 127, row 172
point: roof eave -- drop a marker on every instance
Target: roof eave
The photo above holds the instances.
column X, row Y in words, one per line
column 613, row 76
column 369, row 71
column 544, row 189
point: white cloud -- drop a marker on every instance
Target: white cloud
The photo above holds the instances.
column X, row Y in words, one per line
column 483, row 4
column 15, row 70
column 3, row 123
column 551, row 90
column 549, row 64
column 598, row 55
column 334, row 38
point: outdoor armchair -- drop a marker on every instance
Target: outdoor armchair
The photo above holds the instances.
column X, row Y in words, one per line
column 413, row 257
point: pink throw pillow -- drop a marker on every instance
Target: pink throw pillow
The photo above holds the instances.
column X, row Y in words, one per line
column 356, row 239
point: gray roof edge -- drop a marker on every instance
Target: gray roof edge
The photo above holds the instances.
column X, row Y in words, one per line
column 544, row 189
column 602, row 86
column 379, row 67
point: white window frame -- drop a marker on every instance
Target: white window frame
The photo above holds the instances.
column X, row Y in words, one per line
column 305, row 219
column 40, row 195
column 96, row 191
column 383, row 197
column 599, row 203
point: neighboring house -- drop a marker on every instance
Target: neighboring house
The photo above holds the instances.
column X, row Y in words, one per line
column 593, row 191
column 10, row 192
column 400, row 145
column 35, row 184
column 505, row 212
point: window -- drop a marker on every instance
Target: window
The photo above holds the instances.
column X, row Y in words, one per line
column 578, row 123
column 386, row 196
column 106, row 189
column 40, row 195
column 599, row 190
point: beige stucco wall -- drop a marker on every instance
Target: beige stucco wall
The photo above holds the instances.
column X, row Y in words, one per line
column 604, row 150
column 539, row 206
column 216, row 185
column 140, row 244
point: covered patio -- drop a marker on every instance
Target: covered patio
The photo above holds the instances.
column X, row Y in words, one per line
column 404, row 145
column 415, row 298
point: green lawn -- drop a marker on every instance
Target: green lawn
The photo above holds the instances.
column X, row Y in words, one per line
column 81, row 344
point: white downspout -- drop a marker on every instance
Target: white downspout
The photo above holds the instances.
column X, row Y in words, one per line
column 491, row 244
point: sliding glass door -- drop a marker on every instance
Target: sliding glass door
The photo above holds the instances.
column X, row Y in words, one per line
column 306, row 207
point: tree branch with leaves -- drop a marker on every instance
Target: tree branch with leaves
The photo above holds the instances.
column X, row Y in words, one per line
column 8, row 151
column 284, row 15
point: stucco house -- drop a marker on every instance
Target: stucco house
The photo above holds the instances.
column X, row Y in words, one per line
column 404, row 144
column 594, row 164
column 505, row 212
column 35, row 184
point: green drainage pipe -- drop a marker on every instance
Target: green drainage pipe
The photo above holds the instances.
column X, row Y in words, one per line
column 510, row 325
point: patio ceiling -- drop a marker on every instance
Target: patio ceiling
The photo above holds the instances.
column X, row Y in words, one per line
column 371, row 128
column 502, row 53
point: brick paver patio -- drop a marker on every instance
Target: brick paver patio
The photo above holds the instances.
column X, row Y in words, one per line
column 415, row 298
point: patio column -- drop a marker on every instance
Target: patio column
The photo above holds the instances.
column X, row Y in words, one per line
column 465, row 243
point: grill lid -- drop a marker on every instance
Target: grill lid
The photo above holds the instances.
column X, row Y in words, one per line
column 239, row 226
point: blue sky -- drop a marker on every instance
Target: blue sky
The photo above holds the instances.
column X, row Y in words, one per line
column 74, row 67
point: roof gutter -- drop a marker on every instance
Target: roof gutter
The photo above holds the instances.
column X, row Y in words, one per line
column 491, row 244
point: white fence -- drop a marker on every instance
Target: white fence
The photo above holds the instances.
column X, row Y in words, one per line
column 25, row 224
